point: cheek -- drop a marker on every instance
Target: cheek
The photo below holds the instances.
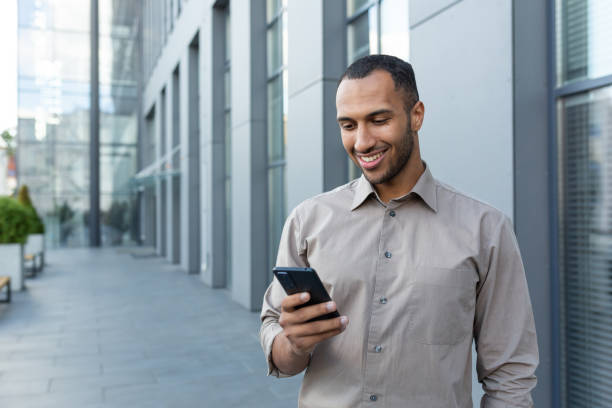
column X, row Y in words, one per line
column 348, row 143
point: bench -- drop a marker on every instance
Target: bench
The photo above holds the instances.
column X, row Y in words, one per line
column 29, row 263
column 6, row 281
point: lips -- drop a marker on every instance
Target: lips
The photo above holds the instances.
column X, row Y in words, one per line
column 370, row 161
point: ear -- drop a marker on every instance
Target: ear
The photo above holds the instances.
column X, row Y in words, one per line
column 417, row 113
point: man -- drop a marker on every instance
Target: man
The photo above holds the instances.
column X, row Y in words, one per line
column 418, row 268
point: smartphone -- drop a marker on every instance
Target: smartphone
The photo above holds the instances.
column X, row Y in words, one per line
column 295, row 280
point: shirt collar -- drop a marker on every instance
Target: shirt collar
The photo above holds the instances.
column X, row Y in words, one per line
column 425, row 188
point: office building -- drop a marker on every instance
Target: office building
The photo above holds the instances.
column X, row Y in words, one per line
column 235, row 125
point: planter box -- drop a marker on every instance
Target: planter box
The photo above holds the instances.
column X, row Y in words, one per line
column 35, row 245
column 11, row 264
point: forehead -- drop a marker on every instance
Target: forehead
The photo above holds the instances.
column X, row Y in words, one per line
column 359, row 96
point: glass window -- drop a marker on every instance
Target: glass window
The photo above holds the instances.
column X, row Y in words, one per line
column 227, row 85
column 276, row 140
column 352, row 6
column 53, row 115
column 585, row 140
column 362, row 36
column 276, row 123
column 118, row 68
column 584, row 47
column 274, row 47
column 394, row 30
column 276, row 210
column 273, row 7
column 584, row 126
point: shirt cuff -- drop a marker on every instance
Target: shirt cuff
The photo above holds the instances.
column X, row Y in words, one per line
column 490, row 402
column 269, row 333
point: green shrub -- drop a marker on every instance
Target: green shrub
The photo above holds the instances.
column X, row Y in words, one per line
column 36, row 226
column 15, row 221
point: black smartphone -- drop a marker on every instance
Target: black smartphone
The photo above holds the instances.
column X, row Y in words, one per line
column 295, row 280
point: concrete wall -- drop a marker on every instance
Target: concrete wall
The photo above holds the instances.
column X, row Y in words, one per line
column 533, row 191
column 249, row 153
column 316, row 160
column 461, row 52
column 462, row 56
column 175, row 202
column 213, row 149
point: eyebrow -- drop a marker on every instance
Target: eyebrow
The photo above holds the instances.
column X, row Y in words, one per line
column 369, row 115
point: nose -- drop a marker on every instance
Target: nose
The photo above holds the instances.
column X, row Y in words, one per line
column 363, row 140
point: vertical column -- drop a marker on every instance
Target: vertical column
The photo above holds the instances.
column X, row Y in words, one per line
column 249, row 153
column 189, row 163
column 168, row 196
column 178, row 127
column 533, row 202
column 159, row 197
column 214, row 273
column 313, row 139
column 94, row 133
column 210, row 275
column 190, row 138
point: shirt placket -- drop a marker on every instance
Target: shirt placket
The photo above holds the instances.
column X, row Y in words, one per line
column 377, row 354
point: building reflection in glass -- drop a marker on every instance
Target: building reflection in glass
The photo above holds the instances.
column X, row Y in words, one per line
column 54, row 112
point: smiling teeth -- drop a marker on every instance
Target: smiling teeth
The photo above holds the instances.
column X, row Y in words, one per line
column 369, row 159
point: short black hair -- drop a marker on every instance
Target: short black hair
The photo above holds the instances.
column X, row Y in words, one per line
column 400, row 70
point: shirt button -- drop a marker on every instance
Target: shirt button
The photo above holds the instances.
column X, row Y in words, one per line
column 383, row 300
column 392, row 213
column 373, row 397
column 388, row 254
column 378, row 348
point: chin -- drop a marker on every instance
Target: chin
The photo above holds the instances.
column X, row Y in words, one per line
column 374, row 177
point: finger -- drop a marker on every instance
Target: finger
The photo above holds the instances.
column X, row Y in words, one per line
column 318, row 327
column 310, row 312
column 304, row 314
column 290, row 302
column 307, row 343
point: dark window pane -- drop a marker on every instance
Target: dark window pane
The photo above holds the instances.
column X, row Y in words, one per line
column 274, row 48
column 363, row 36
column 585, row 135
column 584, row 32
column 276, row 210
column 276, row 139
column 353, row 5
column 272, row 8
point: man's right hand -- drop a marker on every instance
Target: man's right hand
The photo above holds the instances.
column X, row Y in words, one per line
column 292, row 347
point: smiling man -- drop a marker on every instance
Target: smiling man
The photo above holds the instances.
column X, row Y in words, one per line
column 420, row 270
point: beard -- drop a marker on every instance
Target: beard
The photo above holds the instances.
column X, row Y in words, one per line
column 404, row 153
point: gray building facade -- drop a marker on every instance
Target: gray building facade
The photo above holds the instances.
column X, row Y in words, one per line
column 238, row 127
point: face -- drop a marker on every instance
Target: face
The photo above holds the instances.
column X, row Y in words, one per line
column 377, row 132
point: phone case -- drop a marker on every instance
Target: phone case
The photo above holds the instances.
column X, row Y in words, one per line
column 305, row 280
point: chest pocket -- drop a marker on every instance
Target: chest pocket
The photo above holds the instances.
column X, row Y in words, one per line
column 440, row 305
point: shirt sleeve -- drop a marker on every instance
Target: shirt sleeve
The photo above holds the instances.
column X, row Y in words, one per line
column 291, row 252
column 504, row 328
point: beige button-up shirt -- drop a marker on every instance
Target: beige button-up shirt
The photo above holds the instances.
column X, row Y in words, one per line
column 418, row 278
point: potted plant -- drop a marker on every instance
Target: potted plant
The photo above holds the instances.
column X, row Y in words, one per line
column 35, row 243
column 14, row 226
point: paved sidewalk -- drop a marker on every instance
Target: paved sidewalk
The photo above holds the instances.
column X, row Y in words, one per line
column 100, row 328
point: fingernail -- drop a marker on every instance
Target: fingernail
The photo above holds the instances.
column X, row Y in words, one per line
column 330, row 306
column 344, row 321
column 304, row 296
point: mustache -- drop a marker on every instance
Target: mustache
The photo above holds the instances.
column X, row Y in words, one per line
column 370, row 150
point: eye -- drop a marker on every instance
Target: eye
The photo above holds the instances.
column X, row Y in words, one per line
column 380, row 121
column 347, row 126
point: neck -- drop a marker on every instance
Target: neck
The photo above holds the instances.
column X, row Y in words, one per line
column 405, row 180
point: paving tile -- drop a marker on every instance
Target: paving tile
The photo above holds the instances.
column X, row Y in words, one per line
column 102, row 329
column 16, row 388
column 75, row 398
column 127, row 378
